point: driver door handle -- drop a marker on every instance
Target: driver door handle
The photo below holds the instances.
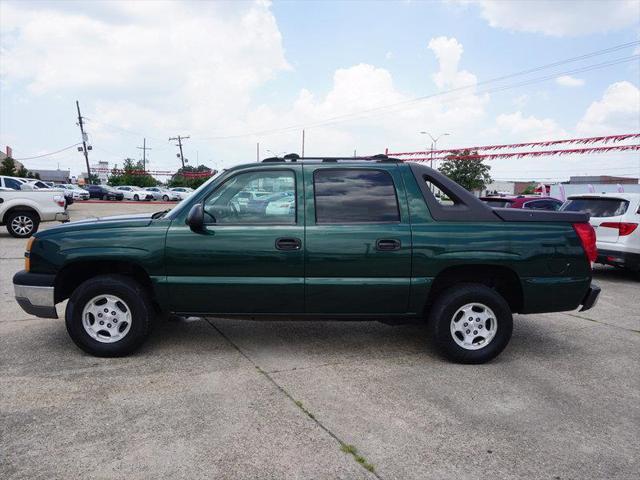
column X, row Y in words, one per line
column 288, row 243
column 388, row 244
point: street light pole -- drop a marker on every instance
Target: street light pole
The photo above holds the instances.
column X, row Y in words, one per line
column 434, row 143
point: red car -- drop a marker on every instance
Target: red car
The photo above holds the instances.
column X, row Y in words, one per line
column 534, row 202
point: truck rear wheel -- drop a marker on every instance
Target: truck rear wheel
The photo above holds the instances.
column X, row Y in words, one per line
column 22, row 224
column 109, row 316
column 470, row 323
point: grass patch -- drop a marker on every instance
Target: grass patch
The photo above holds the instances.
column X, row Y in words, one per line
column 353, row 451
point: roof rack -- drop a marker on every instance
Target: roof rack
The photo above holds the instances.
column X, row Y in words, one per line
column 294, row 157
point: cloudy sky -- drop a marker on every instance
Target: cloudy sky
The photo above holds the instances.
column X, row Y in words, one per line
column 356, row 75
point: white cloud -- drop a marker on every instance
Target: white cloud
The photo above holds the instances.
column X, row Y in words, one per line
column 559, row 17
column 388, row 55
column 449, row 51
column 194, row 64
column 530, row 128
column 618, row 111
column 569, row 81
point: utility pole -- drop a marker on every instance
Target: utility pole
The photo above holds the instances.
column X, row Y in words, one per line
column 303, row 143
column 144, row 149
column 179, row 139
column 84, row 142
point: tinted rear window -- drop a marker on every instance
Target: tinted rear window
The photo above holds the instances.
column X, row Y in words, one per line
column 497, row 203
column 597, row 207
column 355, row 196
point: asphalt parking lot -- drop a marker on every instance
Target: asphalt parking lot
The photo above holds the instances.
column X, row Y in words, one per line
column 216, row 398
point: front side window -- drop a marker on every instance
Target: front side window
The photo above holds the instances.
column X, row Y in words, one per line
column 355, row 196
column 260, row 197
column 11, row 183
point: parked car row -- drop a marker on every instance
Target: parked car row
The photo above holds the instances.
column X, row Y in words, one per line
column 103, row 192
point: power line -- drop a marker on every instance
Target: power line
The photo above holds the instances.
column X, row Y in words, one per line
column 344, row 117
column 403, row 104
column 48, row 154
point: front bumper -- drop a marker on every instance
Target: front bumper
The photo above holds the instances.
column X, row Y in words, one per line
column 35, row 293
column 591, row 298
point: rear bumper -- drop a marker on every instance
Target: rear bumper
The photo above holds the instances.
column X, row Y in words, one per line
column 35, row 293
column 62, row 216
column 628, row 260
column 591, row 298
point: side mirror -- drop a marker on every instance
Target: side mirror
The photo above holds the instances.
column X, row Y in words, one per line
column 195, row 219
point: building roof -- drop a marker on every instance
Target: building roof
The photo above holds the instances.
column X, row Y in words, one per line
column 53, row 175
column 601, row 179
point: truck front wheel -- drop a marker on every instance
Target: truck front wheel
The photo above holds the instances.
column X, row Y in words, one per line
column 22, row 224
column 470, row 323
column 109, row 316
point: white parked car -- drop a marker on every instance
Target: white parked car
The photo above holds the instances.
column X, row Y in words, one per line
column 13, row 183
column 77, row 192
column 616, row 219
column 131, row 192
column 22, row 211
column 280, row 204
column 163, row 194
column 182, row 192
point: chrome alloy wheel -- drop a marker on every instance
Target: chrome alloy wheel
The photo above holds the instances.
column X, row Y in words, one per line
column 22, row 225
column 473, row 326
column 106, row 318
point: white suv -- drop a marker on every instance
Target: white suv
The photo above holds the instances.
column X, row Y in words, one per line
column 616, row 219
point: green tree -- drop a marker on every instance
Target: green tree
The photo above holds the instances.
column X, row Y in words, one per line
column 467, row 171
column 8, row 167
column 182, row 180
column 93, row 179
column 531, row 188
column 131, row 173
column 22, row 172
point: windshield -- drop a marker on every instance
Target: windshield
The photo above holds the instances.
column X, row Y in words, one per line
column 181, row 205
column 597, row 207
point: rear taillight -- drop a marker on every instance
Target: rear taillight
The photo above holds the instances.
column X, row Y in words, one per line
column 624, row 228
column 59, row 200
column 587, row 236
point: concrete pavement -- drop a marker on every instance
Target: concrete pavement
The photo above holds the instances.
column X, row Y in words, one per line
column 221, row 398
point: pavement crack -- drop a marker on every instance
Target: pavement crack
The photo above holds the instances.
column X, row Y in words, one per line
column 344, row 447
column 575, row 315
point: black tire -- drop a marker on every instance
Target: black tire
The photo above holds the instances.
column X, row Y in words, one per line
column 136, row 198
column 22, row 224
column 165, row 198
column 447, row 305
column 136, row 298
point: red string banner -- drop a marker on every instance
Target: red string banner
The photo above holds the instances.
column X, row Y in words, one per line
column 542, row 153
column 548, row 143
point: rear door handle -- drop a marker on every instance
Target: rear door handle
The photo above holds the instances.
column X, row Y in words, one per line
column 288, row 243
column 388, row 244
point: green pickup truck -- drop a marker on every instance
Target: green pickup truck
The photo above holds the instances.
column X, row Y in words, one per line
column 315, row 238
